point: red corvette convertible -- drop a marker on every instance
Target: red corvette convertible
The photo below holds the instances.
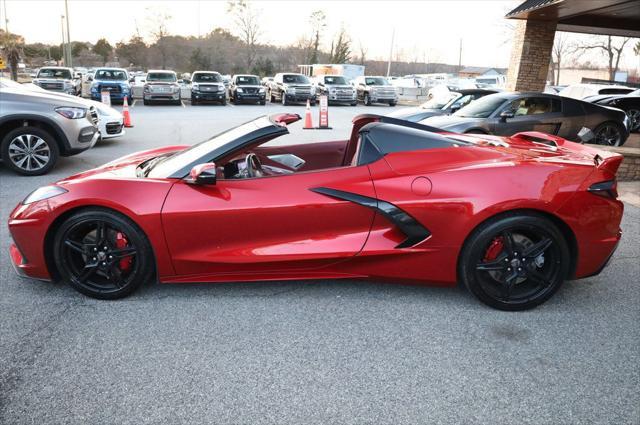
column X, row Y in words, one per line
column 510, row 218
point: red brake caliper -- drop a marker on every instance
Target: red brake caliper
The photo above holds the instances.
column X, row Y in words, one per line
column 495, row 248
column 121, row 242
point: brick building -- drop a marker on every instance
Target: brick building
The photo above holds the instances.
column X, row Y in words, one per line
column 538, row 21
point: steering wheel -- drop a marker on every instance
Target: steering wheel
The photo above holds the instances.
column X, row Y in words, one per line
column 253, row 166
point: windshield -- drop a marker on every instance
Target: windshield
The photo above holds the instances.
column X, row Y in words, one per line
column 181, row 159
column 376, row 81
column 247, row 80
column 335, row 80
column 169, row 77
column 295, row 78
column 439, row 102
column 111, row 74
column 482, row 107
column 207, row 78
column 54, row 73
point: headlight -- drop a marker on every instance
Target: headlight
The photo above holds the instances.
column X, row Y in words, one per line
column 291, row 90
column 195, row 86
column 42, row 193
column 239, row 90
column 175, row 88
column 68, row 84
column 71, row 112
column 261, row 90
column 312, row 91
column 146, row 89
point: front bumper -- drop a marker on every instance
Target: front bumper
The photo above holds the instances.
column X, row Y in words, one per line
column 27, row 225
column 383, row 99
column 217, row 96
column 250, row 97
column 118, row 97
column 161, row 96
column 300, row 97
column 111, row 128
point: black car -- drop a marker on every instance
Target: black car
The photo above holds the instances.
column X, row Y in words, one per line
column 207, row 86
column 505, row 114
column 629, row 103
column 246, row 88
column 441, row 105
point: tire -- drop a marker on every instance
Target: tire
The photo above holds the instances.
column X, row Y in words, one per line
column 366, row 100
column 515, row 261
column 177, row 102
column 111, row 273
column 271, row 98
column 312, row 103
column 609, row 134
column 194, row 101
column 392, row 104
column 354, row 103
column 224, row 101
column 284, row 99
column 634, row 119
column 129, row 101
column 42, row 145
column 146, row 102
column 262, row 102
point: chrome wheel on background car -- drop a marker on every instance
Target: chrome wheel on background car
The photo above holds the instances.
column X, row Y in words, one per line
column 608, row 134
column 29, row 150
column 515, row 263
column 634, row 119
column 102, row 254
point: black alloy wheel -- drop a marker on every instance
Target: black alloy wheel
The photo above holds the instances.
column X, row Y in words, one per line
column 102, row 254
column 608, row 134
column 634, row 119
column 515, row 263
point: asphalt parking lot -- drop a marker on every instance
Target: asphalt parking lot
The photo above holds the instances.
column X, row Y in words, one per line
column 309, row 352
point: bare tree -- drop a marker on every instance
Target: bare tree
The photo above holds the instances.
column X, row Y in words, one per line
column 613, row 50
column 318, row 21
column 341, row 48
column 248, row 25
column 363, row 52
column 561, row 47
column 158, row 22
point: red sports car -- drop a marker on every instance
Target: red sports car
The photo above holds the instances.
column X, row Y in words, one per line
column 510, row 218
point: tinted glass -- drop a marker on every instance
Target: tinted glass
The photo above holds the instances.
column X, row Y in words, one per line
column 111, row 74
column 211, row 77
column 334, row 79
column 161, row 76
column 481, row 108
column 615, row 91
column 533, row 106
column 376, row 81
column 295, row 78
column 54, row 73
column 247, row 80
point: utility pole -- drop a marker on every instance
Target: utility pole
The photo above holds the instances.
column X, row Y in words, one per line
column 64, row 52
column 66, row 11
column 6, row 20
column 393, row 35
column 460, row 57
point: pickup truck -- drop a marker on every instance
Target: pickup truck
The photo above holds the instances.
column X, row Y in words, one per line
column 113, row 80
column 58, row 79
column 375, row 90
column 337, row 89
column 289, row 87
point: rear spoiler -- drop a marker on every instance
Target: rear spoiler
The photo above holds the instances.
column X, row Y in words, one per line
column 603, row 159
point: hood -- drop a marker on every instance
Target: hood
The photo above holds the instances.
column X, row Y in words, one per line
column 339, row 86
column 124, row 167
column 447, row 122
column 56, row 99
column 161, row 83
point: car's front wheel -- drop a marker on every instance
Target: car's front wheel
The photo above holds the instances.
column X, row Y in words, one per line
column 634, row 119
column 284, row 98
column 366, row 99
column 608, row 134
column 29, row 150
column 514, row 262
column 102, row 254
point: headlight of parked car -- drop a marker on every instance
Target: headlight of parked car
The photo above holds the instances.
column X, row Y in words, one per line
column 195, row 86
column 146, row 89
column 239, row 90
column 291, row 90
column 312, row 91
column 175, row 88
column 42, row 193
column 261, row 90
column 71, row 112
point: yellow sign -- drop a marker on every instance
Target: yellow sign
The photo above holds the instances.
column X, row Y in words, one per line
column 2, row 65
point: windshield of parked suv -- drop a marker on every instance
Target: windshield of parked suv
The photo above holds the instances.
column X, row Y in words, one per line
column 482, row 107
column 169, row 77
column 335, row 80
column 211, row 77
column 247, row 80
column 111, row 74
column 376, row 81
column 54, row 73
column 295, row 78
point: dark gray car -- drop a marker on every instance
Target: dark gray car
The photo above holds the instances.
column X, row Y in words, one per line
column 442, row 106
column 505, row 114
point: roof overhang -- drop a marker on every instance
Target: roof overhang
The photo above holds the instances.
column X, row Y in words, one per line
column 608, row 17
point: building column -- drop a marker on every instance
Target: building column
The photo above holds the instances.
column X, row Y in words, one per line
column 530, row 55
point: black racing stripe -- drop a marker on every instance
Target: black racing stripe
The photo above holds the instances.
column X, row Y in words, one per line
column 413, row 230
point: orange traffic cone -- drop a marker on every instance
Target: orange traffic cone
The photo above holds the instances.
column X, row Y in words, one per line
column 125, row 113
column 308, row 123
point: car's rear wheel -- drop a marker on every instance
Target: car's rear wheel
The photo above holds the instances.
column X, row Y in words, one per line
column 514, row 262
column 366, row 99
column 102, row 254
column 30, row 151
column 634, row 119
column 608, row 134
column 284, row 98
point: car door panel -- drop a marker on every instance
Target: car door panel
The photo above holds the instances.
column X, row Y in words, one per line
column 267, row 224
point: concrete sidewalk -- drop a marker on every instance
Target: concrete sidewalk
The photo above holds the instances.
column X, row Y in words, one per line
column 629, row 192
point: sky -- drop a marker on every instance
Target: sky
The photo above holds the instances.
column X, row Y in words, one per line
column 422, row 30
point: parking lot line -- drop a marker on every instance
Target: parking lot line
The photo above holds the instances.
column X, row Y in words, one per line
column 182, row 103
column 134, row 102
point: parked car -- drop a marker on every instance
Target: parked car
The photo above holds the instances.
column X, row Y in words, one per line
column 58, row 79
column 246, row 88
column 288, row 87
column 85, row 84
column 505, row 114
column 113, row 80
column 226, row 79
column 161, row 85
column 441, row 105
column 375, row 90
column 629, row 103
column 580, row 91
column 137, row 85
column 207, row 86
column 266, row 81
column 110, row 122
column 337, row 89
column 36, row 128
column 510, row 220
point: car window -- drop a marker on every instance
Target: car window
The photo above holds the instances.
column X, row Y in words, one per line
column 483, row 107
column 110, row 74
column 247, row 80
column 207, row 78
column 376, row 81
column 534, row 106
column 462, row 101
column 161, row 76
column 334, row 79
column 294, row 78
column 615, row 91
column 54, row 73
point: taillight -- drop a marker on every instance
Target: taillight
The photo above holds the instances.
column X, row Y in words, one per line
column 607, row 189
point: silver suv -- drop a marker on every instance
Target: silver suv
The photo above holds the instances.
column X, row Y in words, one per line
column 161, row 85
column 59, row 79
column 36, row 128
column 375, row 90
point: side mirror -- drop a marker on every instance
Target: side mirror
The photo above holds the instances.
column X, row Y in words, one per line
column 585, row 135
column 506, row 114
column 203, row 174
